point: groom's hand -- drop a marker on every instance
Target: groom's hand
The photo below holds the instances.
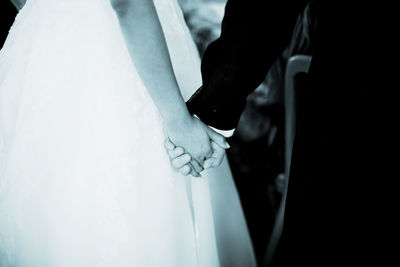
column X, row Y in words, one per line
column 216, row 158
column 218, row 144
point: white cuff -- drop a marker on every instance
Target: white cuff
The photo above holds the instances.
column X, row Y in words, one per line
column 225, row 133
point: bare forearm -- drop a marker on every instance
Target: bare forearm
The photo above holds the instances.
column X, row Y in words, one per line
column 19, row 4
column 148, row 49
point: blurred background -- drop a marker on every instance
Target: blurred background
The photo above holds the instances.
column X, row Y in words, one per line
column 257, row 154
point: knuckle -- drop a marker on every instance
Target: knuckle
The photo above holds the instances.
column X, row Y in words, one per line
column 188, row 158
column 179, row 150
column 185, row 159
column 174, row 154
column 185, row 170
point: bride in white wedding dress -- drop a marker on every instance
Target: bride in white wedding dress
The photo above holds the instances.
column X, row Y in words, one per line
column 84, row 178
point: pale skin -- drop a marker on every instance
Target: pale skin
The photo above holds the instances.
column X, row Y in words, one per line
column 181, row 160
column 190, row 143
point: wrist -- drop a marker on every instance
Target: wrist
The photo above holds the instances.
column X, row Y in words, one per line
column 178, row 120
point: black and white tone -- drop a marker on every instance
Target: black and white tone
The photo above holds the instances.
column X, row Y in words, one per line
column 197, row 133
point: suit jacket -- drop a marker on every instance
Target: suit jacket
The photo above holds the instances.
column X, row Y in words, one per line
column 254, row 34
column 340, row 135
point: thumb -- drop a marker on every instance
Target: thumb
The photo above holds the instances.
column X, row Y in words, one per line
column 217, row 138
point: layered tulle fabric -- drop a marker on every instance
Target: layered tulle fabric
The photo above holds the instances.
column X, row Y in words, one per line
column 84, row 178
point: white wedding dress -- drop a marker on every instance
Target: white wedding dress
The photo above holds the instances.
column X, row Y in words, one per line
column 84, row 178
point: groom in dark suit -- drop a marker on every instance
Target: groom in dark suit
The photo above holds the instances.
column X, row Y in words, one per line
column 338, row 145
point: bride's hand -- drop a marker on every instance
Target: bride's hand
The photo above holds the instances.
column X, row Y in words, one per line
column 195, row 137
column 191, row 134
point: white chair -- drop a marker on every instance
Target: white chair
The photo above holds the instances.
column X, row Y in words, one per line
column 296, row 64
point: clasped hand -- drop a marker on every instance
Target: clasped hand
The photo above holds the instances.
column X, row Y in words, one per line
column 193, row 146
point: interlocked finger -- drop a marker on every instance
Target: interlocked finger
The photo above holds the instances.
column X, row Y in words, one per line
column 176, row 152
column 168, row 145
column 196, row 166
column 180, row 161
column 216, row 159
column 185, row 170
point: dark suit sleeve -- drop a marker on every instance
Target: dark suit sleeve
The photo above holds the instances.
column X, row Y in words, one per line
column 254, row 33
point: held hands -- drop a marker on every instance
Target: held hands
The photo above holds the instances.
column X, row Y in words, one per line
column 193, row 146
column 180, row 160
